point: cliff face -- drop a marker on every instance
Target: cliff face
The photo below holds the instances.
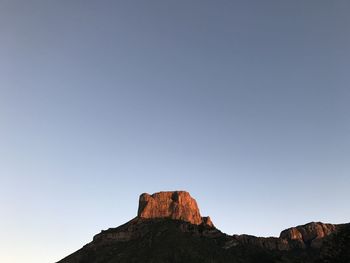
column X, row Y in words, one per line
column 310, row 234
column 178, row 205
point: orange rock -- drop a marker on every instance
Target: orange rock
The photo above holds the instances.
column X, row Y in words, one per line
column 177, row 205
column 311, row 233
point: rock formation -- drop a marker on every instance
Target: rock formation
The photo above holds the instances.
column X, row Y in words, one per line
column 310, row 234
column 177, row 205
column 169, row 228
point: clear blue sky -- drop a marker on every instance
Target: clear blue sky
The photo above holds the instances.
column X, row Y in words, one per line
column 245, row 104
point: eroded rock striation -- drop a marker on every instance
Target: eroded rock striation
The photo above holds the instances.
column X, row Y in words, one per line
column 177, row 205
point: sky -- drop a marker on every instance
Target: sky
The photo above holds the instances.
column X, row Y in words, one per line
column 245, row 104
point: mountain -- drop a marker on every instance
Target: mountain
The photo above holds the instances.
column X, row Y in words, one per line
column 169, row 228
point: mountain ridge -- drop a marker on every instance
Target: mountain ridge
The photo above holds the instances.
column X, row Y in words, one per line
column 169, row 228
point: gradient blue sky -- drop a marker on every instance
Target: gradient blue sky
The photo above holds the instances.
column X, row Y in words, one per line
column 245, row 104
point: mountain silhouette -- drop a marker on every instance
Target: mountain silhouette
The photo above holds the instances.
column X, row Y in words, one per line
column 169, row 228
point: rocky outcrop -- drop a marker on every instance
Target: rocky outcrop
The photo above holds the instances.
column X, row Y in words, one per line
column 177, row 205
column 129, row 231
column 309, row 235
column 270, row 243
column 207, row 221
column 300, row 237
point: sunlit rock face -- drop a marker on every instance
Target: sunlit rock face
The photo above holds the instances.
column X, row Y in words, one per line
column 310, row 234
column 177, row 205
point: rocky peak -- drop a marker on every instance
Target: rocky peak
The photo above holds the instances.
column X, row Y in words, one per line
column 310, row 234
column 177, row 205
